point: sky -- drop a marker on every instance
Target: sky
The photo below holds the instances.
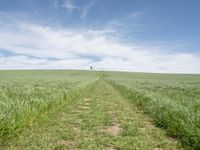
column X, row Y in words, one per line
column 161, row 36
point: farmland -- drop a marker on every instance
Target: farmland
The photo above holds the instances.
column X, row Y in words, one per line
column 56, row 109
column 26, row 95
column 173, row 101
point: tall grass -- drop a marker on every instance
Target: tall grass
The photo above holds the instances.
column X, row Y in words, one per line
column 25, row 95
column 173, row 101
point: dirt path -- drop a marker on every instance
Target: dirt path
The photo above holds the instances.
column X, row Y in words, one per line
column 103, row 119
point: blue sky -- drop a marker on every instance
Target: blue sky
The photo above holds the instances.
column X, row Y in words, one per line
column 130, row 35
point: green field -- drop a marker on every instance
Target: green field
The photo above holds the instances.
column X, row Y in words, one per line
column 55, row 110
column 173, row 101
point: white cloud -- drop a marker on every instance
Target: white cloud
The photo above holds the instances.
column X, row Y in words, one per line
column 32, row 45
column 69, row 5
column 86, row 9
column 26, row 62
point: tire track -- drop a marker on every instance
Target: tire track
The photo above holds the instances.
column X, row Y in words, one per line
column 101, row 120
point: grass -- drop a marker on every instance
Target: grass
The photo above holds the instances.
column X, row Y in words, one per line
column 57, row 110
column 25, row 95
column 101, row 119
column 173, row 101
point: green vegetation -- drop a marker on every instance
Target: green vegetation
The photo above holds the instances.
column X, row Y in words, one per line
column 55, row 110
column 100, row 120
column 25, row 95
column 173, row 101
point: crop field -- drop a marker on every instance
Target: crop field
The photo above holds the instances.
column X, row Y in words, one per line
column 27, row 94
column 173, row 101
column 65, row 109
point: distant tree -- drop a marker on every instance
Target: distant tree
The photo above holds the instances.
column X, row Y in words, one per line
column 91, row 68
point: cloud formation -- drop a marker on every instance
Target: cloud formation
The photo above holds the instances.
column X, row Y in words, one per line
column 86, row 9
column 69, row 5
column 33, row 46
